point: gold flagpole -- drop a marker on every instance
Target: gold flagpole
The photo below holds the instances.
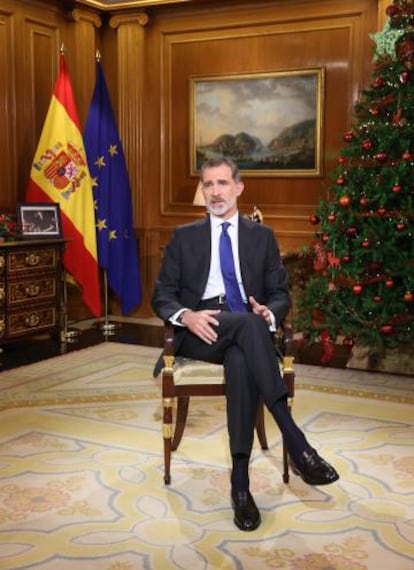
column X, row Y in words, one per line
column 107, row 328
column 66, row 334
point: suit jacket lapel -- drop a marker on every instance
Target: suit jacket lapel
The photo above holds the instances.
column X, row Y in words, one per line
column 203, row 252
column 246, row 254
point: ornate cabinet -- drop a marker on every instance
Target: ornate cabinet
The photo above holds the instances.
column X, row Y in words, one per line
column 31, row 287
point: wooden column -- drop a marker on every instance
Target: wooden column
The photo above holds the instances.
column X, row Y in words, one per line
column 82, row 56
column 130, row 63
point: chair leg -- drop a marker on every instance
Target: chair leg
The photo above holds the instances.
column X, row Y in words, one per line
column 182, row 412
column 167, row 435
column 285, row 462
column 260, row 426
column 289, row 379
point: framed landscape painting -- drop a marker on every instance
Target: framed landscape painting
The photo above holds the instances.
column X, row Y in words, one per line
column 269, row 123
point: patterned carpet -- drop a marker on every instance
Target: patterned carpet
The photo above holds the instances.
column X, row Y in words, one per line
column 81, row 483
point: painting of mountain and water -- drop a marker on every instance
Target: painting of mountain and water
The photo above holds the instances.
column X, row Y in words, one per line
column 269, row 123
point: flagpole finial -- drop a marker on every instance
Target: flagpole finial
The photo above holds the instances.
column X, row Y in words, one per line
column 98, row 56
column 62, row 49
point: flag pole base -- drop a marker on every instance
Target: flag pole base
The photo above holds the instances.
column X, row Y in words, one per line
column 108, row 328
column 69, row 335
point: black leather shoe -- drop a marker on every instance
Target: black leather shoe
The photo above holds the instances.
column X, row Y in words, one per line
column 313, row 469
column 246, row 514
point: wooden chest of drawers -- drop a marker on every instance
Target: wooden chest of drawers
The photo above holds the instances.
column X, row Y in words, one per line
column 31, row 287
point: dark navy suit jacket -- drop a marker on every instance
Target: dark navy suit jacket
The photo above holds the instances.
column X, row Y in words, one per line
column 186, row 264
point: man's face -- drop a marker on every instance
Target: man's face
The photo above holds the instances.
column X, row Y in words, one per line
column 221, row 191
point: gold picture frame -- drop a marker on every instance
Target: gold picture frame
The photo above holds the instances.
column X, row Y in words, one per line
column 270, row 123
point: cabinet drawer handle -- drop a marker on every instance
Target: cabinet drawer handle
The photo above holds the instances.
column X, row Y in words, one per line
column 32, row 320
column 32, row 290
column 32, row 259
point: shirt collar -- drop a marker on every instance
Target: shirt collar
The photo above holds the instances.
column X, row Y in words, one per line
column 217, row 222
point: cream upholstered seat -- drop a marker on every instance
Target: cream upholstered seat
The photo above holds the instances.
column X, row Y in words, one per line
column 183, row 378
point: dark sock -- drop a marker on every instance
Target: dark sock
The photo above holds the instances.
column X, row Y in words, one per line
column 295, row 439
column 240, row 473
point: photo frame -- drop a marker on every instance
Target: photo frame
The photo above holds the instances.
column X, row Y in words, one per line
column 269, row 123
column 39, row 220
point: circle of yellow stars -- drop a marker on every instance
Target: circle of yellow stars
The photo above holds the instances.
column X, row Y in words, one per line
column 100, row 163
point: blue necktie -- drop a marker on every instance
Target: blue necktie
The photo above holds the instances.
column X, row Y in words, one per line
column 233, row 296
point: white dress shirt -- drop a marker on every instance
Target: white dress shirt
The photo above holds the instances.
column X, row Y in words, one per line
column 215, row 284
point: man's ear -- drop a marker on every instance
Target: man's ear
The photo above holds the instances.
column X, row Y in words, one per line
column 239, row 188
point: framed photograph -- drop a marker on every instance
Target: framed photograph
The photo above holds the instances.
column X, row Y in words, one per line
column 269, row 123
column 39, row 220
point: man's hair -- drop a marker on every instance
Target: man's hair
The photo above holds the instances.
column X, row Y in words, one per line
column 214, row 162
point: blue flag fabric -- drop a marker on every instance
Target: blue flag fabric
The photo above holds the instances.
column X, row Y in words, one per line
column 116, row 243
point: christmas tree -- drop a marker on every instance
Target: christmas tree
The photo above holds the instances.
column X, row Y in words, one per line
column 362, row 287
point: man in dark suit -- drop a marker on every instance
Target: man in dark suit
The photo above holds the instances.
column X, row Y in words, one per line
column 195, row 291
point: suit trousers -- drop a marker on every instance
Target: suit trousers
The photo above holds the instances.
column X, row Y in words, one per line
column 244, row 346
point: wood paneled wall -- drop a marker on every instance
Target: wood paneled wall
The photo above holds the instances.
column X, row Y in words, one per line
column 149, row 58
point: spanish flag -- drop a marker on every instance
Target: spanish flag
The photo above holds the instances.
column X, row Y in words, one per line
column 60, row 174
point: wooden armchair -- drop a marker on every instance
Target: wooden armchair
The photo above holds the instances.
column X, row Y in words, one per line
column 183, row 378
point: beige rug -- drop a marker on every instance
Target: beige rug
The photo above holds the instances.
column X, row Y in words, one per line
column 81, row 482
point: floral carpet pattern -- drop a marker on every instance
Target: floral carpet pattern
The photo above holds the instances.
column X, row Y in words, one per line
column 81, row 473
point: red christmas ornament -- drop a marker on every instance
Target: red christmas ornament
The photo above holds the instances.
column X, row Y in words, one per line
column 341, row 160
column 400, row 226
column 348, row 136
column 381, row 156
column 392, row 11
column 404, row 77
column 378, row 82
column 314, row 220
column 389, row 283
column 409, row 297
column 381, row 211
column 340, row 180
column 325, row 237
column 348, row 342
column 396, row 188
column 357, row 289
column 346, row 259
column 374, row 111
column 366, row 144
column 351, row 231
column 407, row 155
column 365, row 243
column 363, row 201
column 387, row 329
column 377, row 299
column 344, row 201
column 331, row 218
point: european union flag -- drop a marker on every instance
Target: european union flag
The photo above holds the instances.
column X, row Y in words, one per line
column 117, row 248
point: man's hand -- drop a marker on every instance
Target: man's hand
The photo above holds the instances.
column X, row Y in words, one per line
column 201, row 323
column 261, row 310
